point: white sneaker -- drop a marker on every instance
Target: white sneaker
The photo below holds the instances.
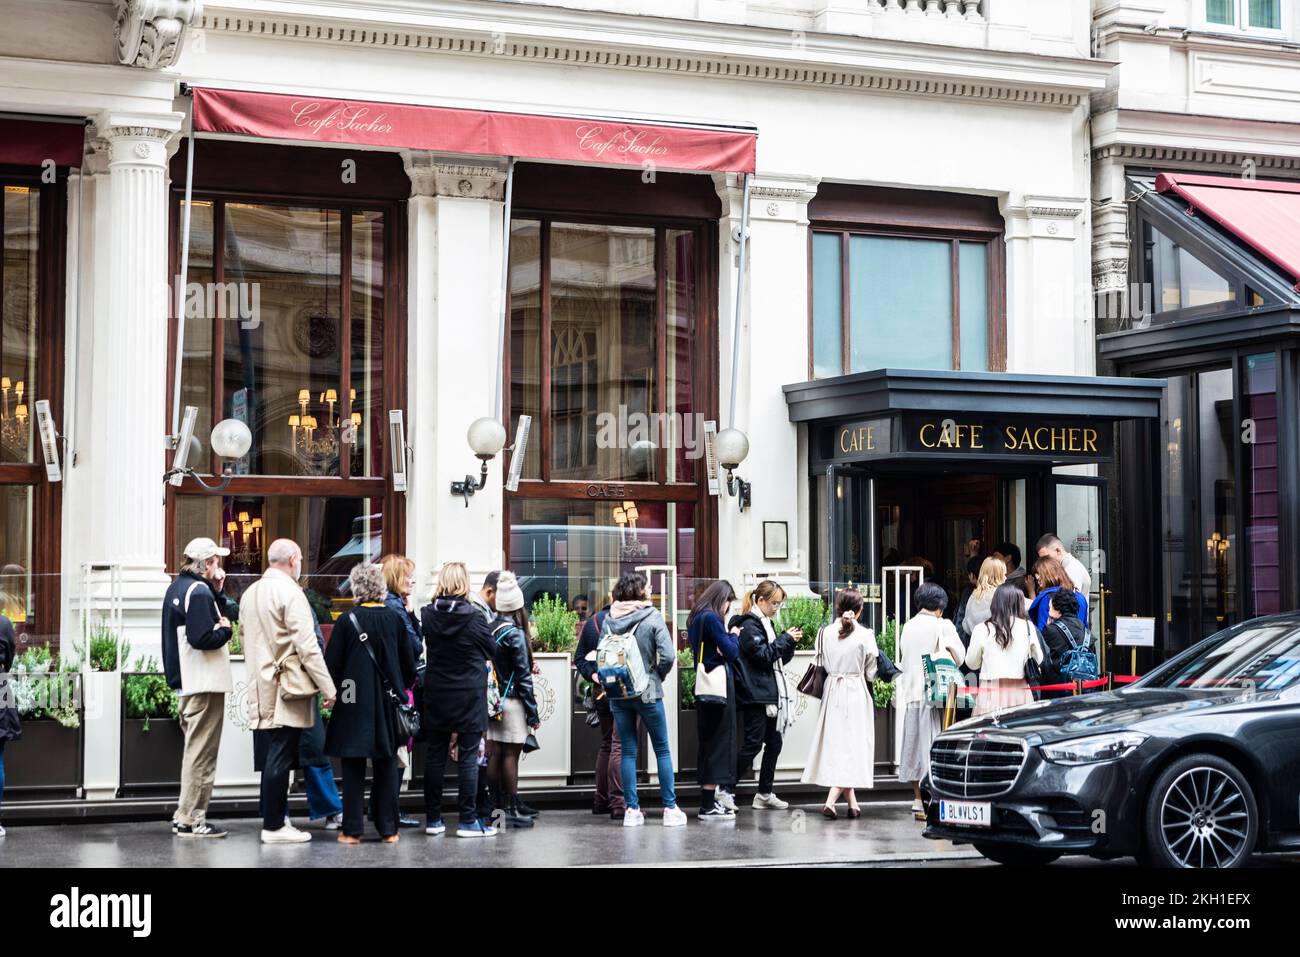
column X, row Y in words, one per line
column 769, row 802
column 717, row 813
column 674, row 817
column 334, row 822
column 286, row 835
column 634, row 817
column 2, row 830
column 726, row 799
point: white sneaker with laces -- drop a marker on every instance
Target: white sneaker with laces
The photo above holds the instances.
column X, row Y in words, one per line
column 334, row 822
column 726, row 799
column 674, row 817
column 2, row 830
column 717, row 813
column 769, row 802
column 634, row 817
column 286, row 835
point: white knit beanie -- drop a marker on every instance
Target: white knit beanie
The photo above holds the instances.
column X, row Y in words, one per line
column 510, row 596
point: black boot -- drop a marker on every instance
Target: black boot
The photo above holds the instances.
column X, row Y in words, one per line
column 526, row 809
column 515, row 817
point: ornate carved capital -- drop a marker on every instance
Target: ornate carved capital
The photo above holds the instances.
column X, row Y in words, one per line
column 149, row 32
column 1110, row 275
column 138, row 139
column 432, row 175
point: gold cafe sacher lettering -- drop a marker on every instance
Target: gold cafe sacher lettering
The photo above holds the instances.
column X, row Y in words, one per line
column 990, row 435
column 598, row 142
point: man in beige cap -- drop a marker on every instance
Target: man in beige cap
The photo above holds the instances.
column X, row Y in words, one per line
column 196, row 661
column 286, row 670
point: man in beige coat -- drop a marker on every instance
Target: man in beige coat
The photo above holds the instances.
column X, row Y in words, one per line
column 280, row 646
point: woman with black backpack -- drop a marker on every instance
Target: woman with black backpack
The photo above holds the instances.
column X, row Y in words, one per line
column 1063, row 631
column 508, row 730
column 369, row 654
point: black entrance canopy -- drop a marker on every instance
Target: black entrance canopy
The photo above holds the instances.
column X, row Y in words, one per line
column 1000, row 416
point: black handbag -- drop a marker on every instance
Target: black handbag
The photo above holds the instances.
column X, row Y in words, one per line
column 886, row 670
column 1033, row 673
column 405, row 715
column 530, row 743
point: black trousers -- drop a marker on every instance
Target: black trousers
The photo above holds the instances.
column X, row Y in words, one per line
column 383, row 796
column 278, row 756
column 435, row 765
column 758, row 734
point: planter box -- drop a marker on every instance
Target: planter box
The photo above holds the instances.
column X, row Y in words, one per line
column 45, row 762
column 550, row 765
column 235, row 776
column 688, row 743
column 885, row 718
column 151, row 760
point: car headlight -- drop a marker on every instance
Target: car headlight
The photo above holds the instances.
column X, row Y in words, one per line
column 1099, row 747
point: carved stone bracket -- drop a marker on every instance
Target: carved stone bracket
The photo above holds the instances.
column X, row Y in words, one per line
column 432, row 175
column 149, row 32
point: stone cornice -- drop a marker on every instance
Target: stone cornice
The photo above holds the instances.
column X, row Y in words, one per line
column 434, row 175
column 585, row 38
column 149, row 33
column 1219, row 160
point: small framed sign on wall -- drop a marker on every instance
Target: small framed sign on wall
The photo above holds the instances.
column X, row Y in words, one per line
column 776, row 541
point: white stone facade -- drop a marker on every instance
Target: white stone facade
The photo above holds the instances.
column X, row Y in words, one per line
column 993, row 98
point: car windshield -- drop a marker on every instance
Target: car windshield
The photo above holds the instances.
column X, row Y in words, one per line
column 1265, row 657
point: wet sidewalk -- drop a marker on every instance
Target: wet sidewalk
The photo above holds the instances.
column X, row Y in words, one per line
column 886, row 834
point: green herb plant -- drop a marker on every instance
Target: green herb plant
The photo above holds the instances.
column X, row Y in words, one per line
column 555, row 626
column 147, row 694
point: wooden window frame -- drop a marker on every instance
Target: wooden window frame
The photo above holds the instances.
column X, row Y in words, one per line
column 995, row 285
column 704, row 377
column 393, row 394
column 47, row 497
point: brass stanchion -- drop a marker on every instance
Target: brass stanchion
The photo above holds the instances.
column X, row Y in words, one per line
column 950, row 706
column 1078, row 687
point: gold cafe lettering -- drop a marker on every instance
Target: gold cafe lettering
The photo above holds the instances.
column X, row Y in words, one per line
column 910, row 434
column 860, row 439
column 1020, row 438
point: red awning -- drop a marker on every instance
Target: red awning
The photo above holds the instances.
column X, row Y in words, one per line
column 609, row 142
column 1263, row 214
column 30, row 142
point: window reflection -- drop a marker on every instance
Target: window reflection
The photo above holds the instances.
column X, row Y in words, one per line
column 1183, row 280
column 19, row 290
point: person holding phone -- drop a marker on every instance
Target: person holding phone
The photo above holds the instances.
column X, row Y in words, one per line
column 762, row 694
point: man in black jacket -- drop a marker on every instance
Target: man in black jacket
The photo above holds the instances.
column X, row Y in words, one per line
column 609, row 777
column 197, row 665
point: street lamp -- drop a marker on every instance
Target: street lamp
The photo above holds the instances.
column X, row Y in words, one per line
column 486, row 438
column 732, row 446
column 231, row 440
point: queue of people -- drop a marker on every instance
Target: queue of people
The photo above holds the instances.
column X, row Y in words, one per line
column 460, row 674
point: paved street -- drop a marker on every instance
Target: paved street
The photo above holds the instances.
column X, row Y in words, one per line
column 885, row 834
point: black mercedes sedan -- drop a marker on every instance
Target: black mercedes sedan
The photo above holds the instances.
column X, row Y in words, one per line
column 1195, row 765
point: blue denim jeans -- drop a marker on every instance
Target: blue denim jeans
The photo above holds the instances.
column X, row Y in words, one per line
column 322, row 793
column 656, row 724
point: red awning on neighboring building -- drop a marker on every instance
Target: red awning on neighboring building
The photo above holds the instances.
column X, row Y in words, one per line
column 605, row 141
column 30, row 142
column 1263, row 214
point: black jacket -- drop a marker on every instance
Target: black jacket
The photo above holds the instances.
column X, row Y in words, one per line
column 755, row 679
column 514, row 667
column 458, row 645
column 11, row 728
column 362, row 724
column 587, row 642
column 1056, row 643
column 199, row 619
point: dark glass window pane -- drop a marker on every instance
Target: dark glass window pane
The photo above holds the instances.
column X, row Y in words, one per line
column 1260, row 396
column 828, row 319
column 1181, row 544
column 283, row 368
column 1221, row 11
column 16, row 556
column 683, row 431
column 526, row 336
column 602, row 351
column 1266, row 14
column 1217, row 439
column 198, row 304
column 367, row 390
column 334, row 534
column 19, row 293
column 900, row 297
column 580, row 547
column 1183, row 280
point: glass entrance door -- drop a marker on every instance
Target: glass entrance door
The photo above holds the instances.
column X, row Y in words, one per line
column 851, row 537
column 1077, row 514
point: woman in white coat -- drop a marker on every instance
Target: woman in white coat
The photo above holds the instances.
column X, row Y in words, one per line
column 842, row 756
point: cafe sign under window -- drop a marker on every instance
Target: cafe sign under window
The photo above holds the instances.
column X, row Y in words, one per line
column 921, row 434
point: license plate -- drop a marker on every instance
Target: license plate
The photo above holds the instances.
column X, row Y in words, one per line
column 969, row 813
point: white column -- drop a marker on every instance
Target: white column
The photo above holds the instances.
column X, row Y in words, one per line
column 776, row 348
column 454, row 265
column 1049, row 309
column 733, row 527
column 123, row 436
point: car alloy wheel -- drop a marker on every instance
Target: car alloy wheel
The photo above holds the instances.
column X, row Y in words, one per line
column 1201, row 815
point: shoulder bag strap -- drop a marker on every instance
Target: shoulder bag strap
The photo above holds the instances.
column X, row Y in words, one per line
column 364, row 640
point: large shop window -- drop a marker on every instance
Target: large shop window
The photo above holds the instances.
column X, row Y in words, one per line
column 903, row 301
column 30, row 360
column 608, row 353
column 284, row 310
